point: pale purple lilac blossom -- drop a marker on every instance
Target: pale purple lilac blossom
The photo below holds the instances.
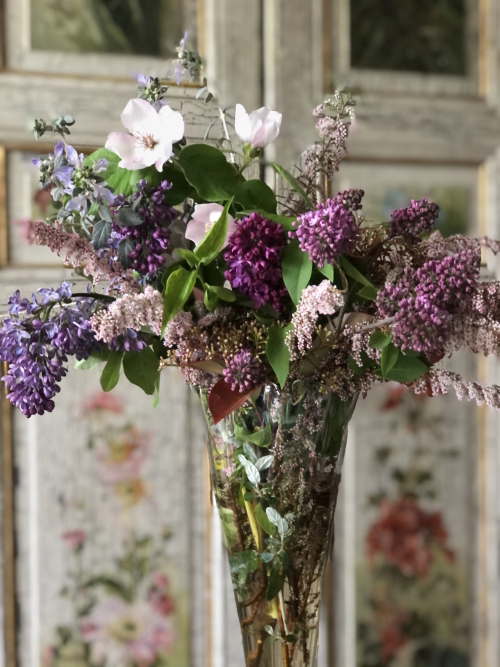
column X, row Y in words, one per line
column 413, row 221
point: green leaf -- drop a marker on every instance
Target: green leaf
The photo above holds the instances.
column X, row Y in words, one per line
column 141, row 369
column 111, row 371
column 406, row 369
column 94, row 359
column 297, row 270
column 180, row 189
column 260, row 437
column 189, row 256
column 229, row 530
column 122, row 181
column 368, row 292
column 212, row 243
column 390, row 354
column 177, row 291
column 263, row 520
column 255, row 194
column 208, row 171
column 286, row 221
column 352, row 271
column 276, row 581
column 100, row 234
column 328, row 271
column 241, row 564
column 277, row 352
column 223, row 293
column 379, row 340
column 125, row 247
column 210, row 299
column 292, row 182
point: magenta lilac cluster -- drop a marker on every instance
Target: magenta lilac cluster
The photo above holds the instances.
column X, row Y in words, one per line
column 243, row 371
column 35, row 342
column 253, row 258
column 422, row 301
column 413, row 221
column 149, row 239
column 330, row 229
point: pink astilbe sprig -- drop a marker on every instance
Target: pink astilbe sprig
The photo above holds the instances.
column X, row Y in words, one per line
column 80, row 253
column 316, row 300
column 437, row 381
column 132, row 311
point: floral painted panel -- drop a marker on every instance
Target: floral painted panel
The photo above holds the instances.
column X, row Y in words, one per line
column 105, row 527
column 414, row 530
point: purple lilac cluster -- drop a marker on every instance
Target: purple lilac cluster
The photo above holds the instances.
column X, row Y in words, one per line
column 243, row 371
column 150, row 238
column 36, row 344
column 416, row 219
column 330, row 229
column 253, row 257
column 423, row 301
column 129, row 341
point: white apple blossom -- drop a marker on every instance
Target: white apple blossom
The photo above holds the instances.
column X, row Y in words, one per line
column 152, row 134
column 203, row 219
column 260, row 128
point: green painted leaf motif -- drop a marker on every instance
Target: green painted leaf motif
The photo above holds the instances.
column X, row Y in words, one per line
column 292, row 182
column 111, row 371
column 328, row 271
column 141, row 369
column 110, row 584
column 263, row 520
column 276, row 581
column 212, row 243
column 353, row 272
column 208, row 171
column 100, row 234
column 255, row 194
column 177, row 291
column 242, row 563
column 297, row 269
column 278, row 353
column 406, row 369
column 379, row 340
column 390, row 354
column 368, row 292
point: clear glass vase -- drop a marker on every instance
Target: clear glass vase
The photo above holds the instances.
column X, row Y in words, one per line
column 275, row 467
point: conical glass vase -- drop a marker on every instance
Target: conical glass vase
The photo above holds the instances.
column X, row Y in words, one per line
column 275, row 466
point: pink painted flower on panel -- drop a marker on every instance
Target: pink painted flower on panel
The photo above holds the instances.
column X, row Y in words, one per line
column 105, row 402
column 259, row 128
column 123, row 634
column 74, row 539
column 152, row 134
column 121, row 458
column 203, row 219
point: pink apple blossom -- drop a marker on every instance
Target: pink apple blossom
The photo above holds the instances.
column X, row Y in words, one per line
column 203, row 219
column 260, row 128
column 123, row 634
column 152, row 134
column 74, row 539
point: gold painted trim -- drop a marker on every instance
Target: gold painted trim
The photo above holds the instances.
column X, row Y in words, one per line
column 9, row 564
column 200, row 26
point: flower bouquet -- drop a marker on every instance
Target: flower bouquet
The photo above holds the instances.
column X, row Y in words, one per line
column 280, row 310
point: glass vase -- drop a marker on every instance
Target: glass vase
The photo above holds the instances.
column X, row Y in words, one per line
column 275, row 466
